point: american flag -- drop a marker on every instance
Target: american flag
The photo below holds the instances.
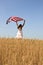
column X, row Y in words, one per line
column 14, row 18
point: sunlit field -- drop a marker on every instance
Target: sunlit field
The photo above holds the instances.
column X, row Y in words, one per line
column 21, row 51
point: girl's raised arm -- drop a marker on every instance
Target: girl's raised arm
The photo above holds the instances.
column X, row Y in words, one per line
column 17, row 24
column 23, row 23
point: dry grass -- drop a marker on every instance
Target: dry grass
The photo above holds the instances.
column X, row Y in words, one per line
column 21, row 52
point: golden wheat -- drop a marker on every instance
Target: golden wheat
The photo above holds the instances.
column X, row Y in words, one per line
column 21, row 52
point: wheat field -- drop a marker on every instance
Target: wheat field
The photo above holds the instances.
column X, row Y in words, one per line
column 21, row 51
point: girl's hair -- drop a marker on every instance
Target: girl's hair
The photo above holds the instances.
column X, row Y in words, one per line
column 19, row 26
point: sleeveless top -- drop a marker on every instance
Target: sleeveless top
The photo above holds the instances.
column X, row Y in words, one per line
column 19, row 34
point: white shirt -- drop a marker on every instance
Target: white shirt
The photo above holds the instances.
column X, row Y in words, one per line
column 19, row 34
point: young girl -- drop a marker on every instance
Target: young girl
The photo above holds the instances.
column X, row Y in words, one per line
column 19, row 27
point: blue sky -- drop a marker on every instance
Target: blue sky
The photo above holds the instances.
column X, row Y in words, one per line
column 30, row 10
